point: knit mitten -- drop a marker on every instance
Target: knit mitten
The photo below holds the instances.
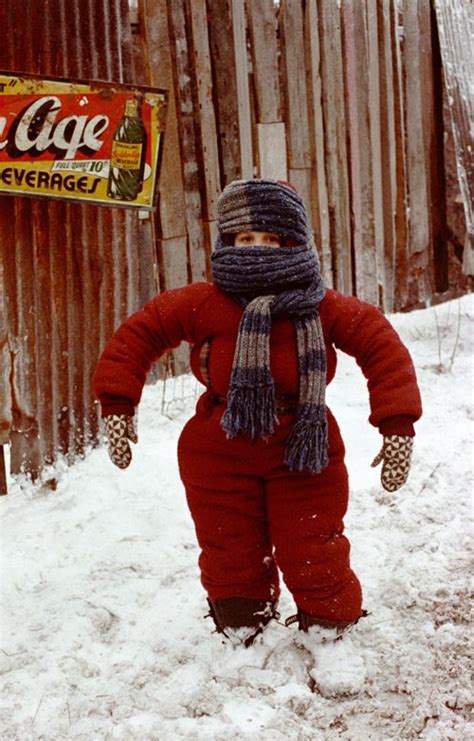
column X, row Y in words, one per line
column 395, row 457
column 120, row 428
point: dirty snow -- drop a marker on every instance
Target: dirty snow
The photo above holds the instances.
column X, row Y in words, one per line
column 103, row 633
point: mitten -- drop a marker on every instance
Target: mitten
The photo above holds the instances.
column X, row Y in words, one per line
column 395, row 456
column 120, row 428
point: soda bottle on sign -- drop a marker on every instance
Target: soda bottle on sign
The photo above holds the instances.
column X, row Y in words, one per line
column 127, row 160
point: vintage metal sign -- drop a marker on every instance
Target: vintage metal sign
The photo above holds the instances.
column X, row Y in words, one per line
column 85, row 141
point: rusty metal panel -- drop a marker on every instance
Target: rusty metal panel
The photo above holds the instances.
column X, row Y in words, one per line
column 70, row 272
column 5, row 367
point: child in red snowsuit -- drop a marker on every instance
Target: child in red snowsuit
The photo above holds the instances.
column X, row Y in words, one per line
column 262, row 459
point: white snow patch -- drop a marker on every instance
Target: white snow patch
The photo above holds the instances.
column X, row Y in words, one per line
column 103, row 635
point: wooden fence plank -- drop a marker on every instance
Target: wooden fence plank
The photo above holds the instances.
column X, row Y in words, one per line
column 263, row 33
column 374, row 105
column 417, row 162
column 433, row 142
column 205, row 111
column 210, row 236
column 387, row 153
column 335, row 143
column 184, row 84
column 357, row 85
column 243, row 96
column 176, row 270
column 456, row 28
column 158, row 62
column 272, row 151
column 301, row 179
column 401, row 216
column 439, row 143
column 319, row 195
column 297, row 79
column 296, row 103
column 221, row 42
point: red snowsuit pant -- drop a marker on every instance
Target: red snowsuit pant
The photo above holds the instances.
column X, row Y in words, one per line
column 253, row 515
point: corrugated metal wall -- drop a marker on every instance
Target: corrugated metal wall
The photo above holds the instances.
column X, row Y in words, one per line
column 71, row 273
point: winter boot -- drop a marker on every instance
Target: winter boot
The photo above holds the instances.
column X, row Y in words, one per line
column 334, row 627
column 241, row 619
column 338, row 668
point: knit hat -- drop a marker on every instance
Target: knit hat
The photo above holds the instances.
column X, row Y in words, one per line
column 263, row 205
column 269, row 282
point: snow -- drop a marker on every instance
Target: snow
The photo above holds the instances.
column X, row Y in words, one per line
column 103, row 633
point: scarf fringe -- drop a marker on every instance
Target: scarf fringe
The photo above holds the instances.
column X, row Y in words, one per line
column 251, row 410
column 307, row 444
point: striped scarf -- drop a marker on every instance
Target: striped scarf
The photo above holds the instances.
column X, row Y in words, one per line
column 270, row 282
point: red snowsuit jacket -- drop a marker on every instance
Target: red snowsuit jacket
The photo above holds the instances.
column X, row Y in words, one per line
column 200, row 312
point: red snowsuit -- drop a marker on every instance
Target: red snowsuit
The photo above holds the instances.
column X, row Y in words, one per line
column 249, row 510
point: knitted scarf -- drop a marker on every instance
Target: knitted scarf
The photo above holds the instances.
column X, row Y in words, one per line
column 270, row 282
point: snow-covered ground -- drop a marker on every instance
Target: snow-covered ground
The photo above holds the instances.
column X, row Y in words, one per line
column 103, row 633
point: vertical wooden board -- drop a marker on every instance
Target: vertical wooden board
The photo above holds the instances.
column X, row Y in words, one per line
column 387, row 150
column 301, row 179
column 131, row 253
column 263, row 27
column 158, row 61
column 436, row 144
column 401, row 217
column 170, row 186
column 174, row 257
column 190, row 157
column 197, row 248
column 222, row 51
column 319, row 195
column 435, row 199
column 126, row 277
column 211, row 232
column 272, row 154
column 106, row 277
column 374, row 103
column 243, row 97
column 455, row 24
column 206, row 113
column 148, row 276
column 335, row 142
column 357, row 85
column 417, row 164
column 296, row 104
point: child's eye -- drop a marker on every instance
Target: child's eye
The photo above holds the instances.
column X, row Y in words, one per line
column 273, row 240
